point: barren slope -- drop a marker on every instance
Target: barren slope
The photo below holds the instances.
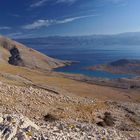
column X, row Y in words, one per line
column 27, row 57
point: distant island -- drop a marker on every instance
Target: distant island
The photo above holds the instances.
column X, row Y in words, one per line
column 128, row 66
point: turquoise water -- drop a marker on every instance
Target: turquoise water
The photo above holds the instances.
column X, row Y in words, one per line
column 88, row 56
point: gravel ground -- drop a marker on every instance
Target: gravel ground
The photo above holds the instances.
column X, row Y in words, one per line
column 59, row 117
column 18, row 127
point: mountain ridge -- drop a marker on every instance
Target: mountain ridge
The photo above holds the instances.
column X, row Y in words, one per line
column 130, row 38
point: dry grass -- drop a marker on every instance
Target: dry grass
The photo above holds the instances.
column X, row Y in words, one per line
column 78, row 112
column 75, row 88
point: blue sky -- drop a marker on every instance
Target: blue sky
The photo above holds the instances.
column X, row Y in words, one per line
column 34, row 18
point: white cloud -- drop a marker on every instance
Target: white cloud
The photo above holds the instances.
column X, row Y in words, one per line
column 15, row 15
column 66, row 1
column 66, row 20
column 5, row 28
column 45, row 23
column 18, row 35
column 12, row 35
column 38, row 3
column 116, row 1
column 39, row 23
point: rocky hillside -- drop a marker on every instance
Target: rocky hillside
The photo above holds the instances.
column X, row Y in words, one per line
column 56, row 116
column 17, row 54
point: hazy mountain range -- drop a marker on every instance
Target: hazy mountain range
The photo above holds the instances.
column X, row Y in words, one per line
column 132, row 38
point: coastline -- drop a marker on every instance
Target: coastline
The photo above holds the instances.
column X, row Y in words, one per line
column 123, row 83
column 121, row 66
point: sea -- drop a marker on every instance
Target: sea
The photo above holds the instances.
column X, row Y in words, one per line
column 88, row 56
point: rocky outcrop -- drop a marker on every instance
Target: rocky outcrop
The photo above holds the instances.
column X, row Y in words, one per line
column 15, row 58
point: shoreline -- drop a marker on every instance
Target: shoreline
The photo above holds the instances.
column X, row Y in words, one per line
column 100, row 71
column 123, row 83
column 121, row 66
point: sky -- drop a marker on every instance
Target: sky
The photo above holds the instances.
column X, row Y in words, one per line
column 37, row 18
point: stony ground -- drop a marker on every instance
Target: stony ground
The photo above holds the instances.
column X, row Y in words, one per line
column 33, row 113
column 18, row 127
